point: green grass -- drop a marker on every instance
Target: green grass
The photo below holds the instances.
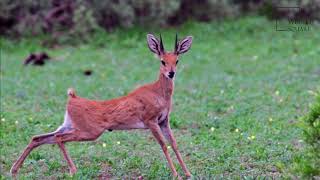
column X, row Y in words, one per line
column 238, row 75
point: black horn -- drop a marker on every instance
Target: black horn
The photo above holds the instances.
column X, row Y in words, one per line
column 176, row 44
column 161, row 44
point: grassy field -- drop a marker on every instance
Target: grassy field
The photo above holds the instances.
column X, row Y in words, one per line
column 239, row 93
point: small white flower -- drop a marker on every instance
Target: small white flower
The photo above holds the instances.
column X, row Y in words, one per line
column 236, row 130
column 118, row 142
column 277, row 92
column 169, row 147
column 212, row 129
column 3, row 119
column 17, row 122
column 251, row 137
column 312, row 92
column 104, row 145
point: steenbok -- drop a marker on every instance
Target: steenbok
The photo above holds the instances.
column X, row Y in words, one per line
column 147, row 107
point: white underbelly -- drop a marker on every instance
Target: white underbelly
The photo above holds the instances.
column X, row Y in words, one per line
column 66, row 123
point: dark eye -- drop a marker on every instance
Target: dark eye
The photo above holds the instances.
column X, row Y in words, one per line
column 177, row 61
column 163, row 63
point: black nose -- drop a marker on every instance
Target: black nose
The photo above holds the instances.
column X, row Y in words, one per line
column 171, row 74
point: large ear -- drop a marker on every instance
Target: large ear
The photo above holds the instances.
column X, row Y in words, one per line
column 184, row 45
column 154, row 45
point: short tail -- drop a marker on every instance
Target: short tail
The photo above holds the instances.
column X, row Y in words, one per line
column 71, row 93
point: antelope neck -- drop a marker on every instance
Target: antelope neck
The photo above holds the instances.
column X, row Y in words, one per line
column 166, row 86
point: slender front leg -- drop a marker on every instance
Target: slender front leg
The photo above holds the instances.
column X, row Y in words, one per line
column 156, row 131
column 167, row 132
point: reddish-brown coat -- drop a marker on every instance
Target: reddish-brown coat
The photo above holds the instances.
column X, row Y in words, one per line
column 141, row 105
column 146, row 107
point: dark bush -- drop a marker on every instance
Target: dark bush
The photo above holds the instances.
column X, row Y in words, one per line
column 59, row 18
column 76, row 19
column 285, row 9
column 127, row 13
column 204, row 10
column 80, row 16
column 21, row 17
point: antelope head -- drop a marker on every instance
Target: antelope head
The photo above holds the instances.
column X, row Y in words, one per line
column 169, row 60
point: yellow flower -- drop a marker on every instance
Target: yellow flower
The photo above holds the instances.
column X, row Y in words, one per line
column 236, row 130
column 270, row 119
column 251, row 137
column 277, row 92
column 104, row 145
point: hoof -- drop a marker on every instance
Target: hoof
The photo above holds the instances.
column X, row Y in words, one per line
column 176, row 176
column 72, row 171
column 188, row 175
column 13, row 171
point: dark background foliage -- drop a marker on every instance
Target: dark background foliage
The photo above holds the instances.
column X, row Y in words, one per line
column 80, row 17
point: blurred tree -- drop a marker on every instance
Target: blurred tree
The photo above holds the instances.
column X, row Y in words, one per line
column 127, row 13
column 64, row 18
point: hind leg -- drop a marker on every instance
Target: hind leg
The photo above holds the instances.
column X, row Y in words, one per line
column 49, row 138
column 36, row 141
column 72, row 167
column 61, row 138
